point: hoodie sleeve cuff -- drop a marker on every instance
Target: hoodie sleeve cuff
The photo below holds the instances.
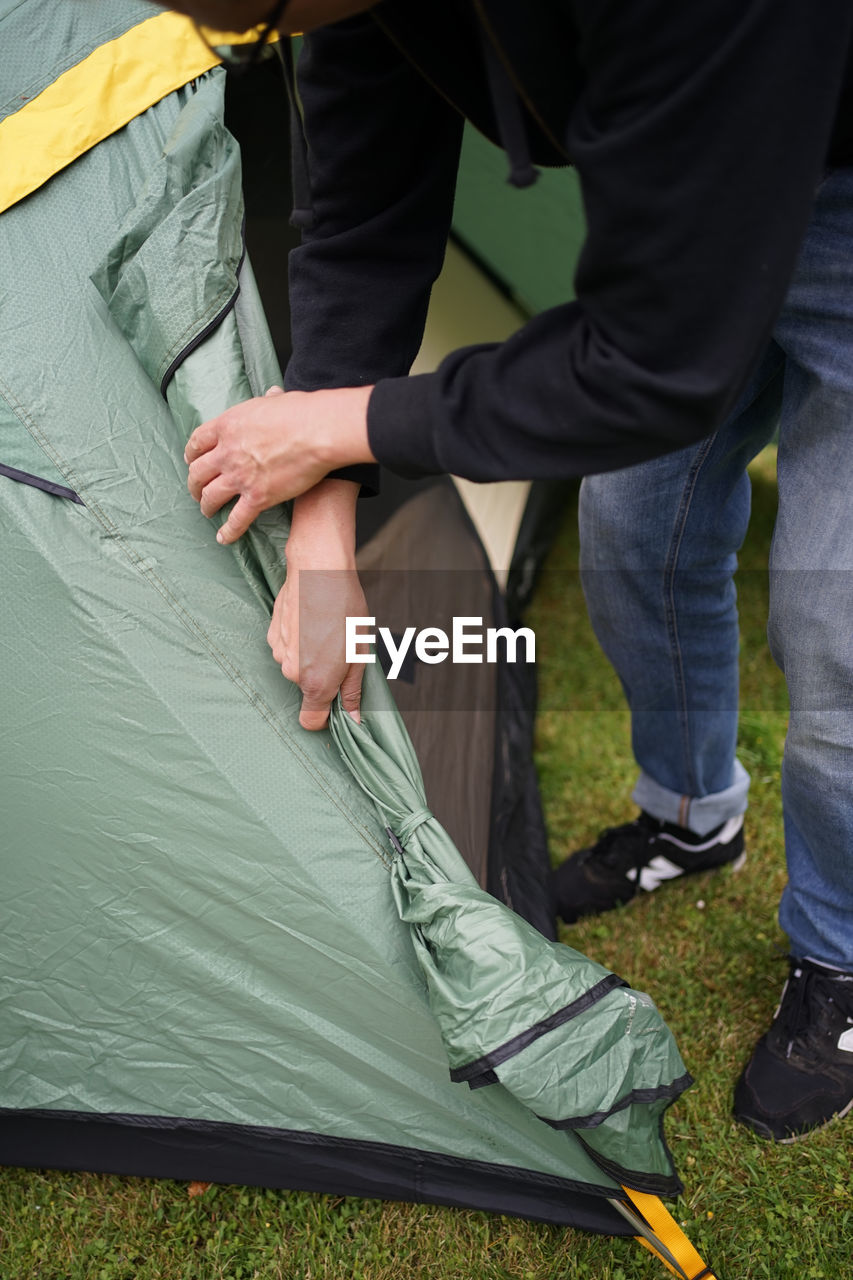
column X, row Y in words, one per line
column 400, row 426
column 365, row 474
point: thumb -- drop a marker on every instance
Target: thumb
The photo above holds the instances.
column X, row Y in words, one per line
column 274, row 390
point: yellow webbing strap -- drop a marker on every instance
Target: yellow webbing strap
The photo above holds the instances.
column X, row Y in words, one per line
column 88, row 102
column 670, row 1235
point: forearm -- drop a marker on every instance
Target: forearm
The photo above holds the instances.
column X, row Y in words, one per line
column 383, row 150
column 699, row 138
column 308, row 626
column 322, row 528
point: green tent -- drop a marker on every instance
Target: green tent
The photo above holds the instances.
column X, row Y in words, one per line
column 216, row 958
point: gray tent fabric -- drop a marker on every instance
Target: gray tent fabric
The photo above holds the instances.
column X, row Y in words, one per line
column 204, row 969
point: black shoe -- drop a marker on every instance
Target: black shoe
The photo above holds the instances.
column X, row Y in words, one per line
column 801, row 1073
column 638, row 857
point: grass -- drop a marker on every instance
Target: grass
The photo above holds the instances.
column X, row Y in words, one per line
column 710, row 952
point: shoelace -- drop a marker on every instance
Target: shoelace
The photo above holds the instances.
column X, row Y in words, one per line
column 805, row 992
column 618, row 845
column 795, row 1003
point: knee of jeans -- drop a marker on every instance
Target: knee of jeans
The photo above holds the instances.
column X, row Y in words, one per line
column 617, row 529
column 810, row 633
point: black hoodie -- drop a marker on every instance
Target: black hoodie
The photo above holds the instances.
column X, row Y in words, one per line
column 700, row 132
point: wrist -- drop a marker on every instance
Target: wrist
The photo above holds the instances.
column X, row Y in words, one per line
column 328, row 551
column 322, row 529
column 341, row 430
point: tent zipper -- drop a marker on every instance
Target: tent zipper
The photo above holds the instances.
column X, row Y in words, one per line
column 39, row 482
column 208, row 329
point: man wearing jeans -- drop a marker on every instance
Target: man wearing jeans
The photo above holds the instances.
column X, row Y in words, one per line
column 700, row 133
column 658, row 550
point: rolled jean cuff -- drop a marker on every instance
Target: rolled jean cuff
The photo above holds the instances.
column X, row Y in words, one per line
column 699, row 814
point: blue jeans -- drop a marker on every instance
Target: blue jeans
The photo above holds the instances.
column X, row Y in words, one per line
column 659, row 546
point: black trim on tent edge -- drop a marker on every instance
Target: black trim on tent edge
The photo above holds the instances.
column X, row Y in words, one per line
column 39, row 482
column 61, row 491
column 250, row 1155
column 654, row 1184
column 488, row 1062
column 671, row 1091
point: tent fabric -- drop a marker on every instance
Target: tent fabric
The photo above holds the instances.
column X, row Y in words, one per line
column 562, row 1034
column 214, row 883
column 76, row 99
column 204, row 972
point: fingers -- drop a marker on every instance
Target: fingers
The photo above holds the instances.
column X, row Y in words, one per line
column 270, row 449
column 278, row 639
column 202, row 440
column 317, row 700
column 215, row 495
column 241, row 516
column 320, row 674
column 274, row 636
column 351, row 691
column 315, row 712
column 201, row 472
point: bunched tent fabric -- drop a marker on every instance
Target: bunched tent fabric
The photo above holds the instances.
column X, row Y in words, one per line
column 204, row 970
column 559, row 1032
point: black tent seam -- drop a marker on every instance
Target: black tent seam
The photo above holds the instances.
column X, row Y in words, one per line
column 510, row 1048
column 221, row 1130
column 208, row 329
column 38, row 482
column 37, row 434
column 514, row 703
column 654, row 1184
column 592, row 1121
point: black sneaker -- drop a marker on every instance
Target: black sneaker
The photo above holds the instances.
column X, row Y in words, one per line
column 801, row 1073
column 638, row 857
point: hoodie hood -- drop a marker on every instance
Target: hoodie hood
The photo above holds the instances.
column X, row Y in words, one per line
column 516, row 101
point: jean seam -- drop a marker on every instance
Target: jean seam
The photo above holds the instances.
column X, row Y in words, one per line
column 669, row 572
column 670, row 612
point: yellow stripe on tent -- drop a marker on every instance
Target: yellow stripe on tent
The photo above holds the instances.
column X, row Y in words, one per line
column 100, row 95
